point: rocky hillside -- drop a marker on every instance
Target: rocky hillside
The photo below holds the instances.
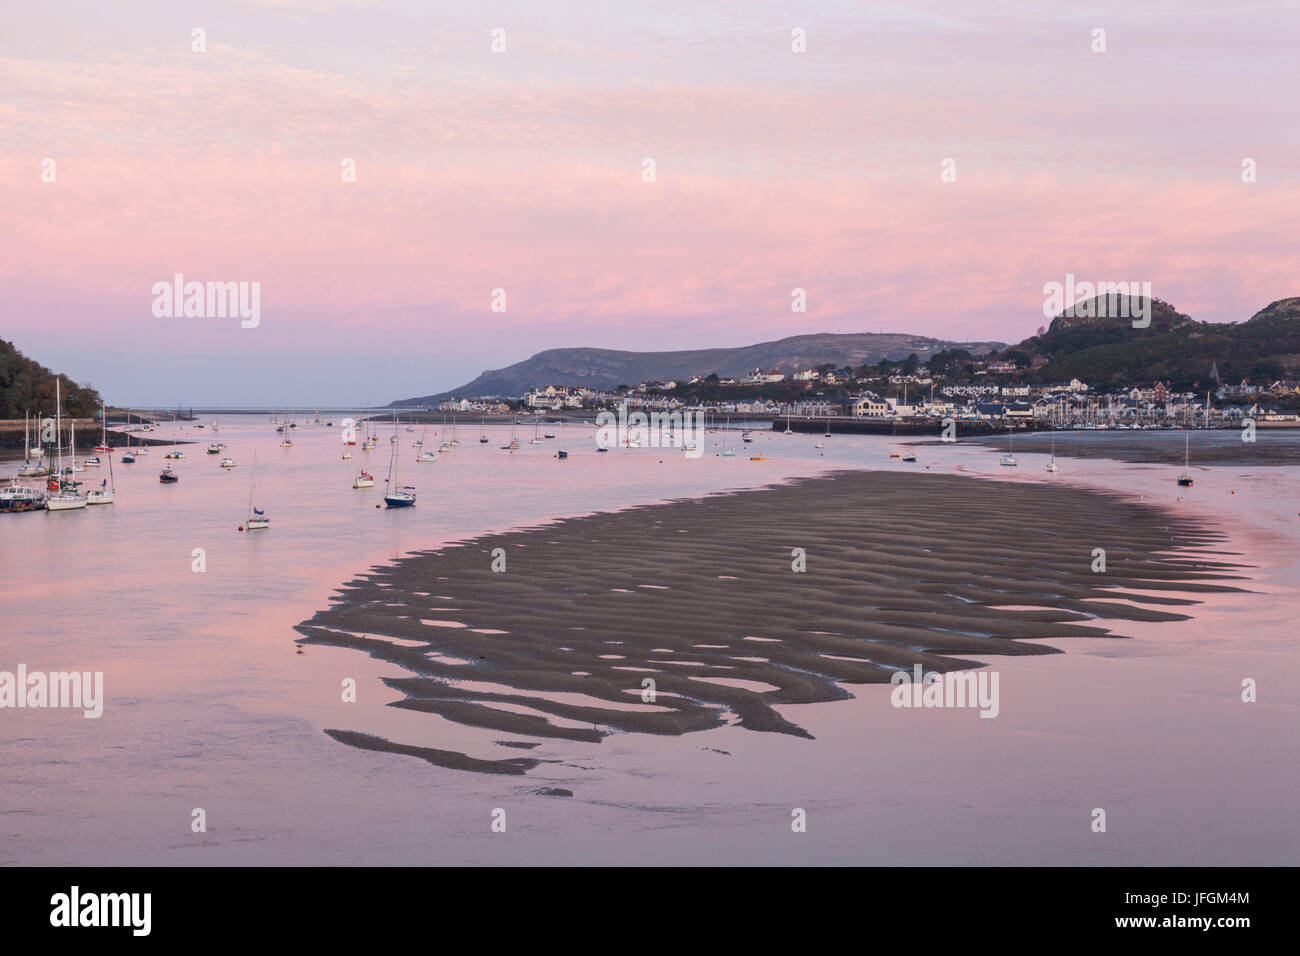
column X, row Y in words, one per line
column 607, row 368
column 1177, row 348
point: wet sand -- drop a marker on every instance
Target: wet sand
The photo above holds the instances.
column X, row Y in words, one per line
column 700, row 596
column 1217, row 446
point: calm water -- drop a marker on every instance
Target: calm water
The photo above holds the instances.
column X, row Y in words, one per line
column 209, row 705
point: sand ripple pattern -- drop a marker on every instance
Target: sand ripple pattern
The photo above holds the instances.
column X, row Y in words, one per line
column 700, row 596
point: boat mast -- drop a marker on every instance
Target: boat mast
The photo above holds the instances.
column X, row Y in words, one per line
column 58, row 424
column 252, row 487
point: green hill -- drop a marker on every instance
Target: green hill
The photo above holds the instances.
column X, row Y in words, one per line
column 1107, row 352
column 26, row 385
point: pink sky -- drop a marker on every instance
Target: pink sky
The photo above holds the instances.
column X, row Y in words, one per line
column 522, row 170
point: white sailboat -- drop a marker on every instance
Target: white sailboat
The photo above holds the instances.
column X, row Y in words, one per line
column 257, row 519
column 1009, row 459
column 27, row 469
column 72, row 437
column 727, row 452
column 175, row 452
column 107, row 490
column 142, row 448
column 366, row 429
column 1051, row 464
column 103, row 438
column 63, row 491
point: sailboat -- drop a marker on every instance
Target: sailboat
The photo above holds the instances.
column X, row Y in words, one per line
column 427, row 455
column 103, row 439
column 72, row 437
column 1009, row 459
column 175, row 452
column 368, row 442
column 364, row 480
column 1185, row 479
column 128, row 456
column 142, row 448
column 288, row 424
column 514, row 442
column 727, row 452
column 257, row 519
column 107, row 490
column 482, row 431
column 788, row 429
column 396, row 496
column 1051, row 464
column 537, row 438
column 27, row 469
column 63, row 491
column 454, row 441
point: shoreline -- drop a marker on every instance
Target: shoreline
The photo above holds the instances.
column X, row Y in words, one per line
column 1206, row 447
column 699, row 595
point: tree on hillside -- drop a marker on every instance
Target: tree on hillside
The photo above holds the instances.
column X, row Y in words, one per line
column 26, row 385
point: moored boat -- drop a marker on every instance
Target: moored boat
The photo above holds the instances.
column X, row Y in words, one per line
column 20, row 498
column 396, row 496
column 257, row 519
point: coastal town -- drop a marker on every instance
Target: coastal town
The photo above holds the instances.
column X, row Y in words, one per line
column 986, row 392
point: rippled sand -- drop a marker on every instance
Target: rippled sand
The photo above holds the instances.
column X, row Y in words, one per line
column 700, row 597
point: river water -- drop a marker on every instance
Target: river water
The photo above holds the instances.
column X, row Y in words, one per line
column 209, row 705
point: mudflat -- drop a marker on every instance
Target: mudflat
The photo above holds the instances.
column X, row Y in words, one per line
column 703, row 598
